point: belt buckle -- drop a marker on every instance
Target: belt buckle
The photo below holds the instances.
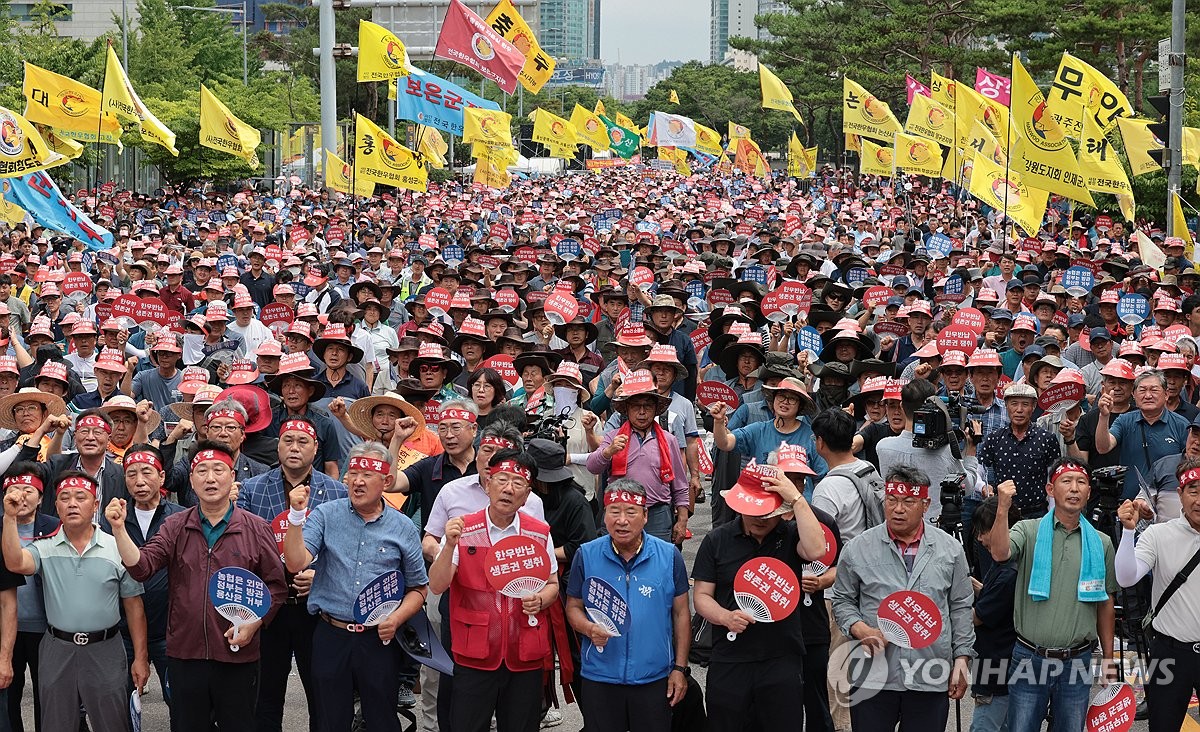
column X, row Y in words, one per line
column 80, row 639
column 1196, row 648
column 355, row 627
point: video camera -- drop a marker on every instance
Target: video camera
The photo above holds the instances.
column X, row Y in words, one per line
column 933, row 423
column 953, row 487
column 1109, row 484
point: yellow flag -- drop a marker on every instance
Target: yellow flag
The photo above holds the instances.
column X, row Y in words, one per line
column 918, row 155
column 589, row 128
column 600, row 107
column 553, row 131
column 432, row 146
column 952, row 166
column 381, row 55
column 492, row 170
column 864, row 114
column 877, row 159
column 1191, row 146
column 810, row 153
column 381, row 159
column 539, row 65
column 1101, row 168
column 338, row 176
column 221, row 130
column 738, row 132
column 708, row 141
column 1180, row 225
column 943, row 90
column 674, row 97
column 22, row 149
column 1078, row 90
column 65, row 147
column 991, row 113
column 64, row 104
column 853, row 142
column 774, row 94
column 1139, row 141
column 624, row 121
column 1008, row 195
column 1042, row 153
column 121, row 100
column 750, row 160
column 11, row 212
column 797, row 158
column 725, row 165
column 393, row 90
column 488, row 126
column 982, row 142
column 931, row 120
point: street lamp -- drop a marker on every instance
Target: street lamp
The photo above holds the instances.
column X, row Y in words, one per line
column 230, row 9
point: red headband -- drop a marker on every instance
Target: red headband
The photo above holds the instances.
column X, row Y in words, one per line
column 233, row 414
column 511, row 466
column 499, row 442
column 26, row 479
column 93, row 421
column 1062, row 470
column 75, row 482
column 298, row 425
column 1189, row 476
column 900, row 488
column 143, row 457
column 636, row 499
column 463, row 414
column 206, row 455
column 371, row 464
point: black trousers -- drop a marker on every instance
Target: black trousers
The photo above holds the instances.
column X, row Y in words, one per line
column 25, row 655
column 514, row 697
column 349, row 662
column 207, row 691
column 1174, row 677
column 289, row 634
column 755, row 697
column 625, row 707
column 914, row 711
column 816, row 689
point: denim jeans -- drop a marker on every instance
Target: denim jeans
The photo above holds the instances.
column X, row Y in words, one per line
column 990, row 715
column 660, row 519
column 1037, row 684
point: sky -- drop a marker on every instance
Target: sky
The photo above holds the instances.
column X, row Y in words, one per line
column 649, row 31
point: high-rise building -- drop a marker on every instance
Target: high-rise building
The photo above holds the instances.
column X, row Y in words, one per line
column 566, row 28
column 594, row 20
column 631, row 82
column 90, row 19
column 730, row 18
column 419, row 24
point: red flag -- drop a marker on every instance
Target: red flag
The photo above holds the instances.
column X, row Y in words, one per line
column 912, row 86
column 993, row 86
column 465, row 38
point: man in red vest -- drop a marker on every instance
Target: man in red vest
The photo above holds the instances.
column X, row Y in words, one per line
column 498, row 655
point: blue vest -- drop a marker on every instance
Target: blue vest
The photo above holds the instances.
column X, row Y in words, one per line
column 646, row 651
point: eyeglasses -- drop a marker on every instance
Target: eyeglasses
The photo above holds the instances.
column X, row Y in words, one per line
column 505, row 480
column 27, row 408
column 224, row 427
column 453, row 428
column 425, row 369
column 788, row 398
column 907, row 504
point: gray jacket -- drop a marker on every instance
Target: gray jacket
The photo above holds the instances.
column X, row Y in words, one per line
column 870, row 568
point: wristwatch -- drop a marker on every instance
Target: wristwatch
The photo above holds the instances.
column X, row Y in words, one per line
column 685, row 670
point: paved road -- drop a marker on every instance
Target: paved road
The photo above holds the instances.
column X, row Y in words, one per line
column 296, row 715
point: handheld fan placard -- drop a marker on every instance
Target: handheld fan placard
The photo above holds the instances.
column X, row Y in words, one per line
column 711, row 392
column 379, row 599
column 518, row 567
column 1112, row 709
column 239, row 596
column 605, row 607
column 910, row 619
column 818, row 567
column 766, row 589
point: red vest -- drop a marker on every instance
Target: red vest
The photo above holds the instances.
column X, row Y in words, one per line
column 487, row 628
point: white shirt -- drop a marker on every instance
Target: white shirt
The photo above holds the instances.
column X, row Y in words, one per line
column 144, row 518
column 495, row 534
column 464, row 496
column 84, row 368
column 1165, row 548
column 254, row 334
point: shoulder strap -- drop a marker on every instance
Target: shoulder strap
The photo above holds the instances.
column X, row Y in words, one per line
column 1176, row 583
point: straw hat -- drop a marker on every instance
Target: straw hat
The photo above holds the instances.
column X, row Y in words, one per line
column 53, row 404
column 122, row 403
column 360, row 412
column 205, row 397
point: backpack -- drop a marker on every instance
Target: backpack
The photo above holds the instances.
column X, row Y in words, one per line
column 870, row 487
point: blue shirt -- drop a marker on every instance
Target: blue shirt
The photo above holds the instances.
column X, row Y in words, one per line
column 1142, row 444
column 759, row 439
column 351, row 553
column 265, row 495
column 329, row 447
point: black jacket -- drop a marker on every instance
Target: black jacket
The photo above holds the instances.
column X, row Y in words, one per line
column 155, row 597
column 112, row 477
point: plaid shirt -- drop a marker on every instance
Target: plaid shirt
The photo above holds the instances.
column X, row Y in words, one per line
column 266, row 495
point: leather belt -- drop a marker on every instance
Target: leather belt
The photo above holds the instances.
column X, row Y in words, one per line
column 1061, row 654
column 1182, row 645
column 346, row 625
column 82, row 639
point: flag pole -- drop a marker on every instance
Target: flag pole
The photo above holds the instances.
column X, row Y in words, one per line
column 100, row 122
column 1008, row 152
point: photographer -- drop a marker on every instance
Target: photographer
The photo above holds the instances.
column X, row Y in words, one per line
column 1021, row 452
column 897, row 451
column 1172, row 550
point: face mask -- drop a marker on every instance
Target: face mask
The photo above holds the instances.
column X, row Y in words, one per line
column 295, row 271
